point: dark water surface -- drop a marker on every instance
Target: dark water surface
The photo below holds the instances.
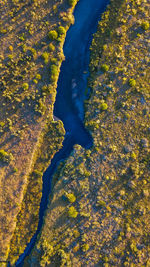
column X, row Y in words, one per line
column 70, row 95
column 74, row 70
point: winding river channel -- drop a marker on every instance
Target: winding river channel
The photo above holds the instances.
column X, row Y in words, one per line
column 69, row 105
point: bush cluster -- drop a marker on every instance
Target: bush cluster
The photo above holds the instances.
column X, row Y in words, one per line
column 145, row 25
column 4, row 156
column 71, row 197
column 25, row 86
column 72, row 212
column 53, row 35
column 54, row 72
column 51, row 47
column 71, row 2
column 61, row 30
column 45, row 56
column 104, row 106
column 104, row 67
column 132, row 82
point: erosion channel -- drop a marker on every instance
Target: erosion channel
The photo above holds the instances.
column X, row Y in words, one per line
column 69, row 105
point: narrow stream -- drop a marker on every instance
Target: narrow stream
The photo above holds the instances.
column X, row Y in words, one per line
column 69, row 105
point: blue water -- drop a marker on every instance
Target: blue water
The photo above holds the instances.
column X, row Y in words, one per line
column 70, row 108
column 70, row 95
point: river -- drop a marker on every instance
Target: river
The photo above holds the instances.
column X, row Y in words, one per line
column 69, row 105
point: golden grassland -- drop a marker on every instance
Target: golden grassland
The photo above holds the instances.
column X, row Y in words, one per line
column 99, row 210
column 32, row 34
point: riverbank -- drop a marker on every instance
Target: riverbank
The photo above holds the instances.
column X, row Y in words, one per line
column 32, row 35
column 99, row 211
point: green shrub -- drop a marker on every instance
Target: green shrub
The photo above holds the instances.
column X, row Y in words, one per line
column 51, row 47
column 101, row 203
column 145, row 25
column 104, row 67
column 5, row 157
column 104, row 106
column 132, row 82
column 76, row 233
column 15, row 169
column 71, row 2
column 85, row 247
column 71, row 197
column 47, row 253
column 48, row 89
column 54, row 60
column 41, row 106
column 72, row 212
column 2, row 123
column 133, row 155
column 54, row 72
column 35, row 81
column 61, row 30
column 33, row 51
column 64, row 257
column 37, row 173
column 54, row 69
column 53, row 35
column 38, row 76
column 25, row 86
column 45, row 56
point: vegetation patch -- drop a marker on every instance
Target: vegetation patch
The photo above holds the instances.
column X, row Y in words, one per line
column 5, row 157
column 53, row 35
